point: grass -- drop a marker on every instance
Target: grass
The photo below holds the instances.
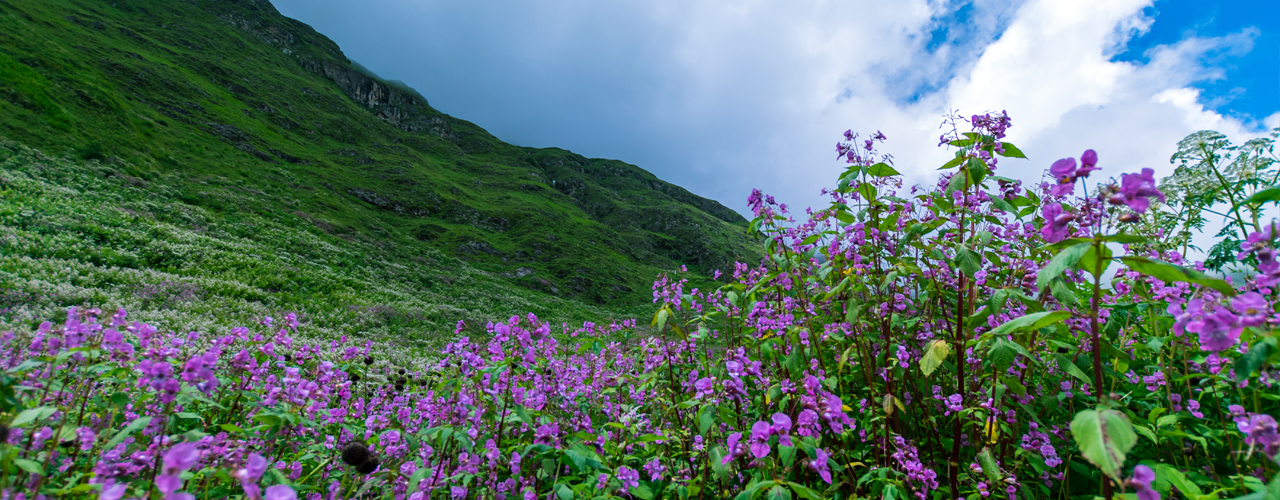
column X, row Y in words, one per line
column 84, row 233
column 225, row 105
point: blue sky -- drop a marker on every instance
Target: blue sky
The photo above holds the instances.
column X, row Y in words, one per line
column 722, row 96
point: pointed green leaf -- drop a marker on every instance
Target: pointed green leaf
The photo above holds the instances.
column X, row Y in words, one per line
column 1065, row 259
column 1031, row 322
column 1104, row 437
column 133, row 426
column 933, row 358
column 881, row 170
column 989, row 466
column 1011, row 151
column 1071, row 369
column 1168, row 273
column 1255, row 358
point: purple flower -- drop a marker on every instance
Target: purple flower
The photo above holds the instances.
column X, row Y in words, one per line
column 819, row 464
column 457, row 493
column 1064, row 176
column 1141, row 481
column 1055, row 223
column 1088, row 163
column 280, row 492
column 705, row 386
column 253, row 469
column 1252, row 307
column 655, row 469
column 1260, row 430
column 1218, row 331
column 602, row 481
column 736, row 449
column 1136, row 191
column 112, row 490
column 630, row 478
column 760, row 439
column 1194, row 407
column 179, row 458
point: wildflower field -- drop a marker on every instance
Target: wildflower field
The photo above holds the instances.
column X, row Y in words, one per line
column 972, row 339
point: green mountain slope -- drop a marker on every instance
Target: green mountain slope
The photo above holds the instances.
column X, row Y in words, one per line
column 241, row 111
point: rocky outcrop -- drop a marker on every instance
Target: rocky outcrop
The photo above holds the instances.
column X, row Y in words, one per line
column 407, row 112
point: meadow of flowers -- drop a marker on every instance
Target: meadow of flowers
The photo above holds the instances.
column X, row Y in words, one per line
column 973, row 339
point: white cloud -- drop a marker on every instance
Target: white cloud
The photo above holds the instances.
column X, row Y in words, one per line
column 722, row 96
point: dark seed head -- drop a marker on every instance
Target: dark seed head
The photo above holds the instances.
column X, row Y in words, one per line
column 353, row 378
column 1063, row 350
column 402, row 372
column 4, row 433
column 356, row 453
column 368, row 466
column 368, row 360
column 67, row 444
column 399, row 388
column 288, row 357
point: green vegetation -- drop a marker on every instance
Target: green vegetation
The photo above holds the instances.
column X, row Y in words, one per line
column 76, row 233
column 228, row 110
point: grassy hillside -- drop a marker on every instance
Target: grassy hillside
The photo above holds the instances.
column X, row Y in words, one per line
column 86, row 233
column 229, row 110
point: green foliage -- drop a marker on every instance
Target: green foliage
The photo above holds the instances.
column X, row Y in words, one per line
column 85, row 234
column 234, row 92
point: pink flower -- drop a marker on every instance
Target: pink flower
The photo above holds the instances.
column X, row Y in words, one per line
column 1136, row 191
column 1142, row 478
column 112, row 490
column 1064, row 176
column 819, row 464
column 1252, row 307
column 1218, row 331
column 280, row 492
column 1055, row 223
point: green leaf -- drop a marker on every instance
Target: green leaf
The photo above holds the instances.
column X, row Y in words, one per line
column 1003, row 205
column 268, row 420
column 1011, row 151
column 1071, row 369
column 1031, row 322
column 30, row 466
column 968, row 261
column 36, row 414
column 1060, row 290
column 779, row 493
column 1104, row 437
column 868, row 191
column 1175, row 478
column 706, row 417
column 933, row 358
column 418, row 476
column 1269, row 195
column 1089, row 262
column 133, row 427
column 988, row 464
column 881, row 170
column 958, row 183
column 660, row 319
column 805, row 492
column 953, row 162
column 787, row 454
column 563, row 492
column 1147, row 433
column 1061, row 262
column 1167, row 273
column 25, row 365
column 1255, row 358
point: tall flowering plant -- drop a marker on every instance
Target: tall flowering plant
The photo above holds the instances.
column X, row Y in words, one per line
column 973, row 338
